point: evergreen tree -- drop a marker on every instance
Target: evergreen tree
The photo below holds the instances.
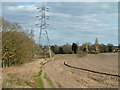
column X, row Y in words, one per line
column 96, row 45
column 61, row 50
column 110, row 47
column 86, row 47
column 74, row 47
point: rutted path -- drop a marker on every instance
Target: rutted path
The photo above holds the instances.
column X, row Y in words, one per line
column 46, row 85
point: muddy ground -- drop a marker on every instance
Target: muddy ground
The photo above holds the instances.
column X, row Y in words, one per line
column 66, row 77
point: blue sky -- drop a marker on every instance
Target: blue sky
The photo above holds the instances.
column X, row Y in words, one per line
column 69, row 21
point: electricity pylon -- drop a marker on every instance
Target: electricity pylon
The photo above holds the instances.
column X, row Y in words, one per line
column 43, row 24
column 32, row 38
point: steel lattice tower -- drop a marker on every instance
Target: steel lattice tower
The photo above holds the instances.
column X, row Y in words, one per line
column 43, row 25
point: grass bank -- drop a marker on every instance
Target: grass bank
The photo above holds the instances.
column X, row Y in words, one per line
column 49, row 80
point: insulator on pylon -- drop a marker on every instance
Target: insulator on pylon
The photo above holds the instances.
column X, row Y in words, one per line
column 43, row 16
column 47, row 9
column 48, row 25
column 37, row 16
column 36, row 24
column 37, row 8
column 43, row 8
column 47, row 17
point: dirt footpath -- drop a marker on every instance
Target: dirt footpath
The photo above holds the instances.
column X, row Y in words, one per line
column 66, row 77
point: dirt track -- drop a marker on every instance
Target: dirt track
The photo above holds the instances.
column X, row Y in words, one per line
column 65, row 77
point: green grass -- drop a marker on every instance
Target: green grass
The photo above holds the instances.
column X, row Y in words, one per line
column 49, row 61
column 45, row 58
column 19, row 82
column 39, row 80
column 40, row 83
column 46, row 62
column 39, row 73
column 49, row 80
column 28, row 83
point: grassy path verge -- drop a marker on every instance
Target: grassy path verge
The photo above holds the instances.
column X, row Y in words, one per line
column 49, row 80
column 38, row 79
column 40, row 83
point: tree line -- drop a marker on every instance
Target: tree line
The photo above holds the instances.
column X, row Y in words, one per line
column 86, row 47
column 17, row 46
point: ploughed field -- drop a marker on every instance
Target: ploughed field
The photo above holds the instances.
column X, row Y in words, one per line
column 66, row 77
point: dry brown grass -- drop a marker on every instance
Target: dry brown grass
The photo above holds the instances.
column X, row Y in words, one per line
column 20, row 76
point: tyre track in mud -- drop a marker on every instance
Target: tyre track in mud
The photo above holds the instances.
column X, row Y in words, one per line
column 91, row 70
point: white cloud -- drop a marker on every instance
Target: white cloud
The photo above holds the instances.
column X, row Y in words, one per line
column 69, row 22
column 62, row 15
column 22, row 7
column 105, row 6
column 60, row 1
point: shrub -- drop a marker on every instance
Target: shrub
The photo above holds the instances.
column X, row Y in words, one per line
column 81, row 53
column 67, row 49
column 93, row 52
column 61, row 50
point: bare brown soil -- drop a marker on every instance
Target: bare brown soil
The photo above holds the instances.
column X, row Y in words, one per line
column 66, row 77
column 63, row 76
